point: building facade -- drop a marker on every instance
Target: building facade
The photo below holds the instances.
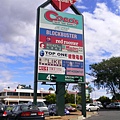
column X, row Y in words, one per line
column 16, row 96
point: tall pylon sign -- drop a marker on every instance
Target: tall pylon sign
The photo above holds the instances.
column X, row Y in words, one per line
column 60, row 50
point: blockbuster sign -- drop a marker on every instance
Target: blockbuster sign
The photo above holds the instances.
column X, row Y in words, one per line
column 60, row 47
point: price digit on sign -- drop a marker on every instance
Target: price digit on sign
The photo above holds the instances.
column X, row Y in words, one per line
column 48, row 77
column 52, row 75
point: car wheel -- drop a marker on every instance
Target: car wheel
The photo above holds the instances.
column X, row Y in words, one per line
column 89, row 110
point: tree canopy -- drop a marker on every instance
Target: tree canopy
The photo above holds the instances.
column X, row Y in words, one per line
column 69, row 98
column 107, row 74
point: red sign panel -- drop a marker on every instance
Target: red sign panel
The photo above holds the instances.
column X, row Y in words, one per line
column 61, row 5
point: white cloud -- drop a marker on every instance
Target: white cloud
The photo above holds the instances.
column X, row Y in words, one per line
column 116, row 2
column 98, row 93
column 17, row 38
column 5, row 79
column 18, row 27
column 101, row 34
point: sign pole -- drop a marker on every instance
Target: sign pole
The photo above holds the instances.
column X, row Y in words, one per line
column 83, row 100
column 82, row 84
column 36, row 51
column 60, row 99
column 36, row 59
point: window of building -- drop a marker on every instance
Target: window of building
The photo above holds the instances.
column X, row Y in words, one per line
column 12, row 93
column 24, row 94
column 38, row 94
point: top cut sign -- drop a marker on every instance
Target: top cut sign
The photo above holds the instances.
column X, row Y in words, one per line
column 61, row 5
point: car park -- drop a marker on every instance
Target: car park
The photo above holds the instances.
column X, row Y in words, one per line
column 91, row 107
column 53, row 110
column 26, row 112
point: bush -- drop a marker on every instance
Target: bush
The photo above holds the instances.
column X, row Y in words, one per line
column 73, row 105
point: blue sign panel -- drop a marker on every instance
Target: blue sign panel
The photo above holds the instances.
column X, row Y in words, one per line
column 72, row 64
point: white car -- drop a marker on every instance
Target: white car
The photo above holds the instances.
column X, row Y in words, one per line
column 92, row 107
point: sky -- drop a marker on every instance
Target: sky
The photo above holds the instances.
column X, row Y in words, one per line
column 18, row 34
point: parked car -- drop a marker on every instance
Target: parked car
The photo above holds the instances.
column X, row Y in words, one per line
column 79, row 107
column 98, row 103
column 70, row 108
column 110, row 106
column 5, row 111
column 3, row 114
column 91, row 107
column 115, row 105
column 53, row 110
column 26, row 112
column 42, row 107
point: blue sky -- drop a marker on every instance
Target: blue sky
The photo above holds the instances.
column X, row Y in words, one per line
column 18, row 29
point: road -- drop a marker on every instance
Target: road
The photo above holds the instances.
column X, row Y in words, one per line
column 106, row 115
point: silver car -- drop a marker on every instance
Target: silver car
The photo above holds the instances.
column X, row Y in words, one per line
column 43, row 107
column 92, row 107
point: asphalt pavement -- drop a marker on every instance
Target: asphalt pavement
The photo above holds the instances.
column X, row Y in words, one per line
column 105, row 115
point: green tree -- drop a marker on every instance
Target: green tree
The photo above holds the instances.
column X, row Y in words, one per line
column 70, row 98
column 51, row 99
column 114, row 97
column 104, row 99
column 107, row 74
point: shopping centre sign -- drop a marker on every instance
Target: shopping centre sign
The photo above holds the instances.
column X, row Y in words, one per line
column 60, row 47
column 61, row 5
column 59, row 44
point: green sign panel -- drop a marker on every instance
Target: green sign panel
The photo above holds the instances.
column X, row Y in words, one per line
column 59, row 78
column 55, row 47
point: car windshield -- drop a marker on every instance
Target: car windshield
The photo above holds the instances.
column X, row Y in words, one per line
column 41, row 104
column 8, row 108
column 117, row 103
column 29, row 107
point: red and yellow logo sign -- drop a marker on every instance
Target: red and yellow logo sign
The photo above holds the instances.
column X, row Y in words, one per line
column 61, row 5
